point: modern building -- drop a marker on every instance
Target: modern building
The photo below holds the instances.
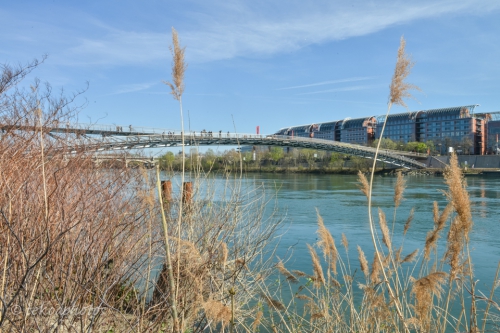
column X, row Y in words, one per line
column 457, row 127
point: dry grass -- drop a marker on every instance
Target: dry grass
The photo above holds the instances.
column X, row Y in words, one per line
column 364, row 186
column 399, row 88
column 179, row 67
column 88, row 241
column 399, row 189
column 289, row 276
column 363, row 262
column 408, row 222
column 327, row 244
column 424, row 289
column 319, row 277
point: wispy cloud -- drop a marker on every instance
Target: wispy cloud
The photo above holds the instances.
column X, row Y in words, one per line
column 353, row 79
column 253, row 33
column 120, row 48
column 351, row 88
column 241, row 28
column 130, row 88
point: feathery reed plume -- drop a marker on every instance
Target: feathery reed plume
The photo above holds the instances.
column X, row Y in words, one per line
column 386, row 238
column 224, row 253
column 345, row 242
column 462, row 223
column 399, row 189
column 336, row 283
column 289, row 276
column 217, row 312
column 423, row 289
column 363, row 184
column 363, row 262
column 458, row 195
column 410, row 257
column 397, row 254
column 454, row 247
column 376, row 269
column 304, row 297
column 317, row 269
column 399, row 89
column 408, row 221
column 178, row 67
column 435, row 212
column 433, row 235
column 316, row 316
column 272, row 303
column 299, row 273
column 256, row 322
column 327, row 243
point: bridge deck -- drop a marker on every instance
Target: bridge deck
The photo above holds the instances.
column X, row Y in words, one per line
column 198, row 139
column 112, row 137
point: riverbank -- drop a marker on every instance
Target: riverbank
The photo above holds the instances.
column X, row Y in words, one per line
column 353, row 171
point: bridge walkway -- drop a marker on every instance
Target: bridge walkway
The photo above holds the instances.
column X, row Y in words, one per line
column 110, row 143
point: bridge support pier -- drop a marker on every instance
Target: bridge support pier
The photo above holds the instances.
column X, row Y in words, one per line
column 187, row 192
column 166, row 187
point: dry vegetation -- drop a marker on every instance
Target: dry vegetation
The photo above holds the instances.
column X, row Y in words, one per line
column 82, row 248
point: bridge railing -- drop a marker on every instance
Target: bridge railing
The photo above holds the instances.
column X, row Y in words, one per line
column 147, row 131
column 112, row 128
column 172, row 138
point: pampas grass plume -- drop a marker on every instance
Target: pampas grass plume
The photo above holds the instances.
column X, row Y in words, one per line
column 399, row 189
column 363, row 262
column 178, row 67
column 408, row 221
column 364, row 186
column 317, row 269
column 399, row 89
column 327, row 244
column 386, row 238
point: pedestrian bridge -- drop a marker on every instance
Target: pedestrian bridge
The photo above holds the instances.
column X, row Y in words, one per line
column 98, row 138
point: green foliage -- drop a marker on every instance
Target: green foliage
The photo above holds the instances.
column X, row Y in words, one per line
column 308, row 155
column 385, row 144
column 167, row 161
column 277, row 153
column 418, row 147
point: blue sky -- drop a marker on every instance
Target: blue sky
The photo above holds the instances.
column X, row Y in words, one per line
column 261, row 62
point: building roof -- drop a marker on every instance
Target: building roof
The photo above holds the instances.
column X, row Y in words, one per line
column 427, row 113
column 358, row 122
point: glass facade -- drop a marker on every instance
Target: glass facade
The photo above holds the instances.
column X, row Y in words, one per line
column 455, row 127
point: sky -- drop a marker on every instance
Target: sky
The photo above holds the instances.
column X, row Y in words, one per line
column 266, row 63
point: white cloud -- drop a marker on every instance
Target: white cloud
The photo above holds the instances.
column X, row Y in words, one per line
column 351, row 88
column 129, row 88
column 353, row 79
column 224, row 30
column 250, row 34
column 119, row 48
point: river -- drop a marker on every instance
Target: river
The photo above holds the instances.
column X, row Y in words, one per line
column 344, row 210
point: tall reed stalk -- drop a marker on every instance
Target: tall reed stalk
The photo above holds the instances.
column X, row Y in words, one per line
column 177, row 89
column 399, row 90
